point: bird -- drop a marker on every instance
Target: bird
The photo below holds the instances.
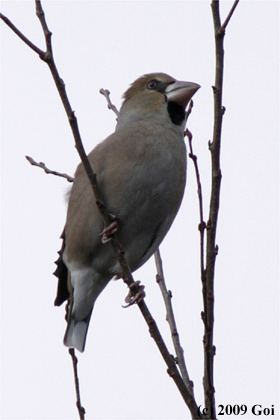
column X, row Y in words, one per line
column 141, row 173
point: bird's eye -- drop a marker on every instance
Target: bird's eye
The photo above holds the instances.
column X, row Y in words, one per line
column 152, row 84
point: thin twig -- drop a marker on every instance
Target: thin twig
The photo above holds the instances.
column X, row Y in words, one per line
column 47, row 170
column 81, row 409
column 47, row 33
column 224, row 25
column 167, row 296
column 111, row 106
column 127, row 276
column 22, row 37
column 202, row 224
column 211, row 247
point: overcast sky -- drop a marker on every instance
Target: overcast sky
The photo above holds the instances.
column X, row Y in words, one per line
column 110, row 44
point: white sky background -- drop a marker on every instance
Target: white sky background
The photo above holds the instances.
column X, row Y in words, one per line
column 110, row 44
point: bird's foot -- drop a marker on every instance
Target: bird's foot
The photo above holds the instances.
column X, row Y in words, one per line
column 108, row 231
column 135, row 295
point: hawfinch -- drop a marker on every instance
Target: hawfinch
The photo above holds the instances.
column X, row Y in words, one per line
column 141, row 172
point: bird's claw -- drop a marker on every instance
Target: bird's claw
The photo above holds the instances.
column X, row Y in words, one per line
column 133, row 297
column 108, row 231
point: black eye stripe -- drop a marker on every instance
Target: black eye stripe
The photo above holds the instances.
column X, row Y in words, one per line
column 157, row 85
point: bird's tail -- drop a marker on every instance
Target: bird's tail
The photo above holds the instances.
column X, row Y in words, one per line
column 85, row 286
column 76, row 333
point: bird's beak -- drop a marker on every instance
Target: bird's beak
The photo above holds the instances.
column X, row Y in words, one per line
column 181, row 92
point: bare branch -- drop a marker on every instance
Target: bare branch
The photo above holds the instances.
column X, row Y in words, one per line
column 80, row 408
column 224, row 25
column 167, row 295
column 202, row 224
column 106, row 93
column 211, row 247
column 22, row 37
column 47, row 170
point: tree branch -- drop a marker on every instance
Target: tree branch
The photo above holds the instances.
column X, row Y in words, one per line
column 21, row 36
column 224, row 25
column 167, row 296
column 106, row 93
column 211, row 247
column 47, row 170
column 80, row 408
column 202, row 224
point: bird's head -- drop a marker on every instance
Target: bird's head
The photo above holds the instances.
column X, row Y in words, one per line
column 156, row 94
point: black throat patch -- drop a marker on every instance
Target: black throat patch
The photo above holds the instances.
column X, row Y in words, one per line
column 176, row 112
